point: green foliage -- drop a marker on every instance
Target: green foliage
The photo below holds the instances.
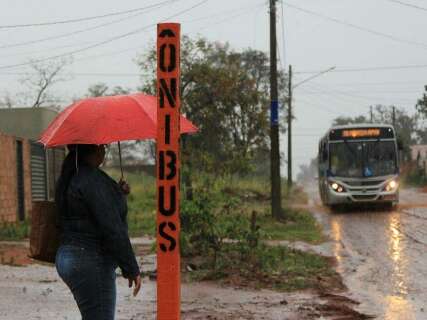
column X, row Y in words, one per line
column 299, row 225
column 10, row 231
column 101, row 89
column 226, row 94
column 141, row 203
column 415, row 177
column 421, row 105
column 223, row 231
column 340, row 121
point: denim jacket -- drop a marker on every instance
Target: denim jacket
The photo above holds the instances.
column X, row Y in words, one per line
column 96, row 218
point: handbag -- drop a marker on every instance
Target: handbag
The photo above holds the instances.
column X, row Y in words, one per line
column 44, row 233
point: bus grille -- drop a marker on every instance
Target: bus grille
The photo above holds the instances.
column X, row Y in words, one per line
column 363, row 183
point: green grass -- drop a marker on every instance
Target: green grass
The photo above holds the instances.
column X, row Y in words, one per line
column 414, row 178
column 14, row 231
column 300, row 225
column 273, row 267
column 262, row 266
column 141, row 203
column 247, row 194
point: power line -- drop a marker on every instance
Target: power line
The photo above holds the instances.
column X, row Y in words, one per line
column 384, row 68
column 117, row 52
column 241, row 13
column 408, row 5
column 64, row 35
column 377, row 83
column 39, row 24
column 88, row 74
column 221, row 13
column 357, row 27
column 136, row 31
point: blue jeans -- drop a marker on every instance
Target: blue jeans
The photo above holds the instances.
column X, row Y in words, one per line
column 91, row 277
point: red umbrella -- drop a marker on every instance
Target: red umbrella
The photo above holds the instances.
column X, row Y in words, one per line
column 104, row 120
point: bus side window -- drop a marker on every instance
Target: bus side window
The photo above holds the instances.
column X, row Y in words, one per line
column 325, row 152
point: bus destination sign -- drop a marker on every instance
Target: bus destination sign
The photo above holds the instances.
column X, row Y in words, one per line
column 361, row 133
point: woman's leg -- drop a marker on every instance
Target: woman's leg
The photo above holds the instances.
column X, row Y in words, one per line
column 91, row 279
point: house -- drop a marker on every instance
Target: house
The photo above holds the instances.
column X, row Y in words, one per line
column 28, row 172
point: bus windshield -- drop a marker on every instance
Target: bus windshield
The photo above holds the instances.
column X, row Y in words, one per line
column 362, row 158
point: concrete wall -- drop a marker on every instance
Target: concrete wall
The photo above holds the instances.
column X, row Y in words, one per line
column 8, row 178
column 25, row 122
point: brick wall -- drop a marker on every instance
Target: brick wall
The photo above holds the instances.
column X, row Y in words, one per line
column 8, row 178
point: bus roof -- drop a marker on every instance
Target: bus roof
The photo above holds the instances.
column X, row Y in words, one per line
column 362, row 125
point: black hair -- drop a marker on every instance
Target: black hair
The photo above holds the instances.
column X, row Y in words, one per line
column 69, row 169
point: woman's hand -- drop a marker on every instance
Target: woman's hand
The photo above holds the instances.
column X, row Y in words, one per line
column 137, row 282
column 124, row 186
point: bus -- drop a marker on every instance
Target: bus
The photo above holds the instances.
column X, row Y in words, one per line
column 359, row 164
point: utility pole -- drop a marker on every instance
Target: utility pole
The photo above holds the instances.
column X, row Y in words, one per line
column 394, row 116
column 290, row 129
column 372, row 114
column 276, row 205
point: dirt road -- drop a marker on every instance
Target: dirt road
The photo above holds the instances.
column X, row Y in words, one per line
column 382, row 256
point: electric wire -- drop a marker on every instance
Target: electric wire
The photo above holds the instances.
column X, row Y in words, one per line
column 357, row 27
column 65, row 35
column 121, row 36
column 408, row 5
column 118, row 52
column 77, row 19
column 362, row 69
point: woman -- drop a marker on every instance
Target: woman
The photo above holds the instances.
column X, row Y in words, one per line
column 92, row 213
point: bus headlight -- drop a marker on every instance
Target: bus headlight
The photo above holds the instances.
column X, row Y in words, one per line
column 337, row 187
column 391, row 185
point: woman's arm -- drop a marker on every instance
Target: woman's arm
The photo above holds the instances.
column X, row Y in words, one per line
column 103, row 204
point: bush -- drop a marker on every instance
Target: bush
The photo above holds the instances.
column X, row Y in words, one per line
column 14, row 230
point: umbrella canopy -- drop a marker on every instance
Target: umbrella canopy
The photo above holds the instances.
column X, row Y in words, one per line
column 103, row 120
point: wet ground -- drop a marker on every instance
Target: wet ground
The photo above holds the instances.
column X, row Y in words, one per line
column 29, row 290
column 382, row 255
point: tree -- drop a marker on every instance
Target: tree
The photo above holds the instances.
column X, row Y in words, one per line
column 340, row 121
column 41, row 79
column 226, row 94
column 7, row 101
column 421, row 105
column 102, row 89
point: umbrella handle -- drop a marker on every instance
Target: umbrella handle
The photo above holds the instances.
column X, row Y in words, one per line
column 120, row 159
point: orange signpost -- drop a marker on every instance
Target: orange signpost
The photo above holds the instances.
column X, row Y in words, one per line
column 168, row 226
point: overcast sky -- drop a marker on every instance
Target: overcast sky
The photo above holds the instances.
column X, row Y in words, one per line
column 318, row 34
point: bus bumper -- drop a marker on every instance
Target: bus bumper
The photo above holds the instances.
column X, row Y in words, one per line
column 362, row 196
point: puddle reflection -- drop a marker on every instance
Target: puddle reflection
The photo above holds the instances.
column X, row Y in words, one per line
column 396, row 252
column 398, row 308
column 338, row 249
column 389, row 251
